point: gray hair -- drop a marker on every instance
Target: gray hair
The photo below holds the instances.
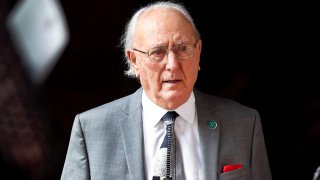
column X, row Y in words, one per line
column 127, row 37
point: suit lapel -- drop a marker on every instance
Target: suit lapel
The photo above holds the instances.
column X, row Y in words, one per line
column 132, row 136
column 209, row 138
column 131, row 131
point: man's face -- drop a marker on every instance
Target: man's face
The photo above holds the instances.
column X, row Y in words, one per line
column 167, row 83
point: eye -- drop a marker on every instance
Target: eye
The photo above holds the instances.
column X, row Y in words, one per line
column 158, row 51
column 184, row 51
column 183, row 48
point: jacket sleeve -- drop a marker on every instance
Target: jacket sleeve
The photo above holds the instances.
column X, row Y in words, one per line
column 260, row 169
column 76, row 164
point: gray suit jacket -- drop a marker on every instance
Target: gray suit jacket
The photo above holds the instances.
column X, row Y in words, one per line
column 107, row 142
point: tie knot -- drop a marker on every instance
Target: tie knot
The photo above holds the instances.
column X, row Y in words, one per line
column 170, row 116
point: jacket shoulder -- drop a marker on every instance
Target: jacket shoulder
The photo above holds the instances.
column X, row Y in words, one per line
column 112, row 110
column 222, row 104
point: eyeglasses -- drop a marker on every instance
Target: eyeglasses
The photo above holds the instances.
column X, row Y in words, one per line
column 181, row 51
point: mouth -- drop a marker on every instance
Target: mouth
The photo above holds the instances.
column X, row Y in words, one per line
column 172, row 81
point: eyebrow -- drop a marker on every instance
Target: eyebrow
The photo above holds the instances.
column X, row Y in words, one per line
column 180, row 43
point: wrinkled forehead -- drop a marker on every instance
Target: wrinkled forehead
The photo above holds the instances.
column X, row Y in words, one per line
column 163, row 24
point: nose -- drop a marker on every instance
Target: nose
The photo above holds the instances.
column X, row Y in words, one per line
column 172, row 61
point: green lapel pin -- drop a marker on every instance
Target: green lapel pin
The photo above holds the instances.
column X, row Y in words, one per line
column 212, row 124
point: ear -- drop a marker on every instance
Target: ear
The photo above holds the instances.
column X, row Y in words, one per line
column 133, row 60
column 199, row 46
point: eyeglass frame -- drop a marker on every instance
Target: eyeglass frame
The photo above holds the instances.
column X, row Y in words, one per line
column 167, row 48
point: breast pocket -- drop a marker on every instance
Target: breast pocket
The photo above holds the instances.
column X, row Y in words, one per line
column 238, row 174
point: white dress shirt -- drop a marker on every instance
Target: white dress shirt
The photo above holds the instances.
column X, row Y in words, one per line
column 187, row 135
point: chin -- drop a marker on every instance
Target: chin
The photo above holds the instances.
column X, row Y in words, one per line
column 177, row 96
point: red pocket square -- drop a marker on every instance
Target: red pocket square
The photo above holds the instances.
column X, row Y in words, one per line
column 231, row 167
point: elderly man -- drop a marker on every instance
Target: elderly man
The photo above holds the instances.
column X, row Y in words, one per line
column 166, row 129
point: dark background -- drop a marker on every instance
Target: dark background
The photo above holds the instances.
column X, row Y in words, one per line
column 258, row 54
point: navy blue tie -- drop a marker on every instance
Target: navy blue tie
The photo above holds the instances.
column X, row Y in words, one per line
column 164, row 167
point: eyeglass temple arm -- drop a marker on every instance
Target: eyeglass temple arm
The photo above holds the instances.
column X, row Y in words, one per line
column 139, row 51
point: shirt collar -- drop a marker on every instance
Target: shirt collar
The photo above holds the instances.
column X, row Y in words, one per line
column 154, row 112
